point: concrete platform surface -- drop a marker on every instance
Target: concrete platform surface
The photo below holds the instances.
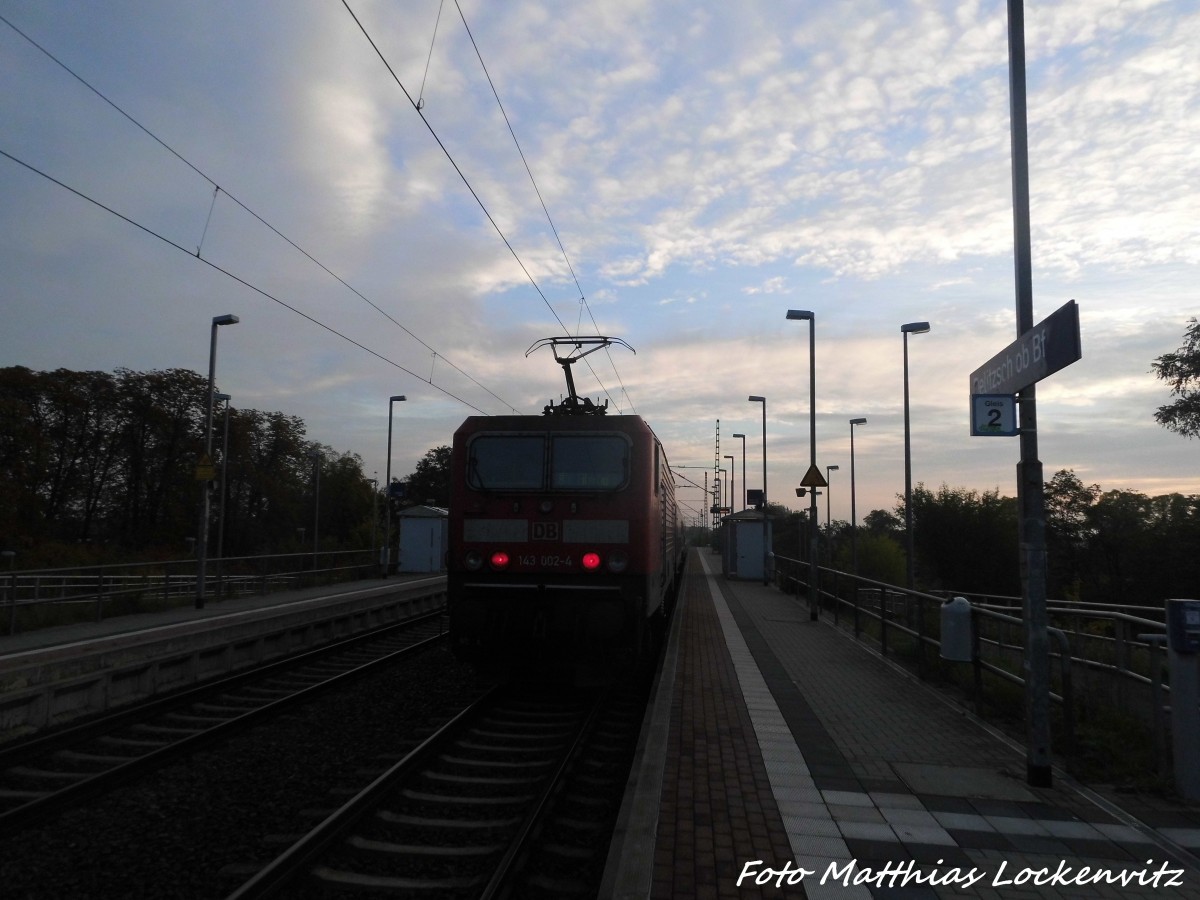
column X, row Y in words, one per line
column 799, row 763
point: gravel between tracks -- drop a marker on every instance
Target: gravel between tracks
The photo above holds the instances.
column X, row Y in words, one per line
column 170, row 835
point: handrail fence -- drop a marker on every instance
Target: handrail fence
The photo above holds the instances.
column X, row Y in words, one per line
column 37, row 598
column 1104, row 655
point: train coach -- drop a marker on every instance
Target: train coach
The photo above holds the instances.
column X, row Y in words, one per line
column 564, row 543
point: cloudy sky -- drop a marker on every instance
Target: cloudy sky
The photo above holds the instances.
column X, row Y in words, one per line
column 705, row 166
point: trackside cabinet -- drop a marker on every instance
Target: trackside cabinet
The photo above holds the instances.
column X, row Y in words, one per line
column 1183, row 655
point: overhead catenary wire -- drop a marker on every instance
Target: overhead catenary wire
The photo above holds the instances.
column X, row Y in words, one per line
column 429, row 58
column 533, row 181
column 418, row 108
column 166, row 240
column 218, row 190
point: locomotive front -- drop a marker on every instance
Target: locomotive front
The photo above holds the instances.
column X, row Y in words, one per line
column 558, row 556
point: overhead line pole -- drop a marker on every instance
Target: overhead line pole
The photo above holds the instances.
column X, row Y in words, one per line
column 1030, row 483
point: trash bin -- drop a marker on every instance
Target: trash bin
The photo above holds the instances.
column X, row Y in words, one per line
column 956, row 630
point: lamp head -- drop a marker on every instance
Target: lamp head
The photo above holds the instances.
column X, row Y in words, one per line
column 754, row 399
column 804, row 314
column 229, row 319
column 397, row 397
column 915, row 328
column 858, row 421
column 831, row 468
column 742, row 436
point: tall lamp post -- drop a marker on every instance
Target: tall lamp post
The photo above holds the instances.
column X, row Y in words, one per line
column 829, row 495
column 766, row 547
column 316, row 456
column 375, row 510
column 206, row 489
column 732, row 483
column 906, row 330
column 814, row 595
column 387, row 494
column 829, row 512
column 743, row 437
column 853, row 508
column 224, row 500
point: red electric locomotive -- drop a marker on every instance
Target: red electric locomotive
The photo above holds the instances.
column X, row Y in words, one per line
column 564, row 539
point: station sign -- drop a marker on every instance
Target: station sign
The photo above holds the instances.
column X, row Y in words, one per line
column 994, row 415
column 1050, row 345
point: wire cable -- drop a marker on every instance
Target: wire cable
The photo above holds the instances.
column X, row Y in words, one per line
column 218, row 190
column 533, row 181
column 467, row 183
column 166, row 240
column 429, row 58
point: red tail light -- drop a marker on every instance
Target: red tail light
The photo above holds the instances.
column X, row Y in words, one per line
column 500, row 560
column 591, row 561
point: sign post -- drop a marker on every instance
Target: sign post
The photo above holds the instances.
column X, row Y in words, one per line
column 1036, row 353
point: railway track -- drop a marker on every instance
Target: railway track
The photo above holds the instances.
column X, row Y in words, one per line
column 516, row 793
column 62, row 769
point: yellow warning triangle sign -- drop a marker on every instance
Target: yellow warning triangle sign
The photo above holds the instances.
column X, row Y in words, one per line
column 813, row 478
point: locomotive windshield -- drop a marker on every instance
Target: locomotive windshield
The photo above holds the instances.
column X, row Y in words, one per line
column 571, row 462
column 507, row 462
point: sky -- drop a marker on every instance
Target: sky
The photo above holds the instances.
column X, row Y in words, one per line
column 675, row 174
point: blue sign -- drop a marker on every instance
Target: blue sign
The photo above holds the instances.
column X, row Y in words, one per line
column 1050, row 345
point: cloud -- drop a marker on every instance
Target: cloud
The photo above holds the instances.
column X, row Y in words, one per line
column 704, row 172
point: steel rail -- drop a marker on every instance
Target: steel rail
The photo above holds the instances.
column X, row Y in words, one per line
column 65, row 797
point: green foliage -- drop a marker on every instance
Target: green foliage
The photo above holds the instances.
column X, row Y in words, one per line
column 1181, row 370
column 880, row 521
column 964, row 540
column 880, row 556
column 430, row 483
column 97, row 466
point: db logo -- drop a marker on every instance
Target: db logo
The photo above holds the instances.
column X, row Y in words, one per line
column 545, row 531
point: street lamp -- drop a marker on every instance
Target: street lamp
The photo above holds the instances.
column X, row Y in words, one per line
column 829, row 512
column 375, row 509
column 224, row 491
column 387, row 494
column 206, row 488
column 806, row 315
column 853, row 509
column 829, row 495
column 766, row 549
column 316, row 456
column 743, row 437
column 732, row 481
column 906, row 330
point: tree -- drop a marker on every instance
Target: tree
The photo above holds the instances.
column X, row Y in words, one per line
column 1181, row 370
column 430, row 483
column 964, row 540
column 95, row 466
column 882, row 522
column 1070, row 532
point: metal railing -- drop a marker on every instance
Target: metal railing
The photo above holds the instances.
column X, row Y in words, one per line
column 38, row 598
column 1104, row 655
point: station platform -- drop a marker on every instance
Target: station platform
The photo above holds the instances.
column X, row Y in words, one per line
column 215, row 611
column 53, row 676
column 784, row 759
